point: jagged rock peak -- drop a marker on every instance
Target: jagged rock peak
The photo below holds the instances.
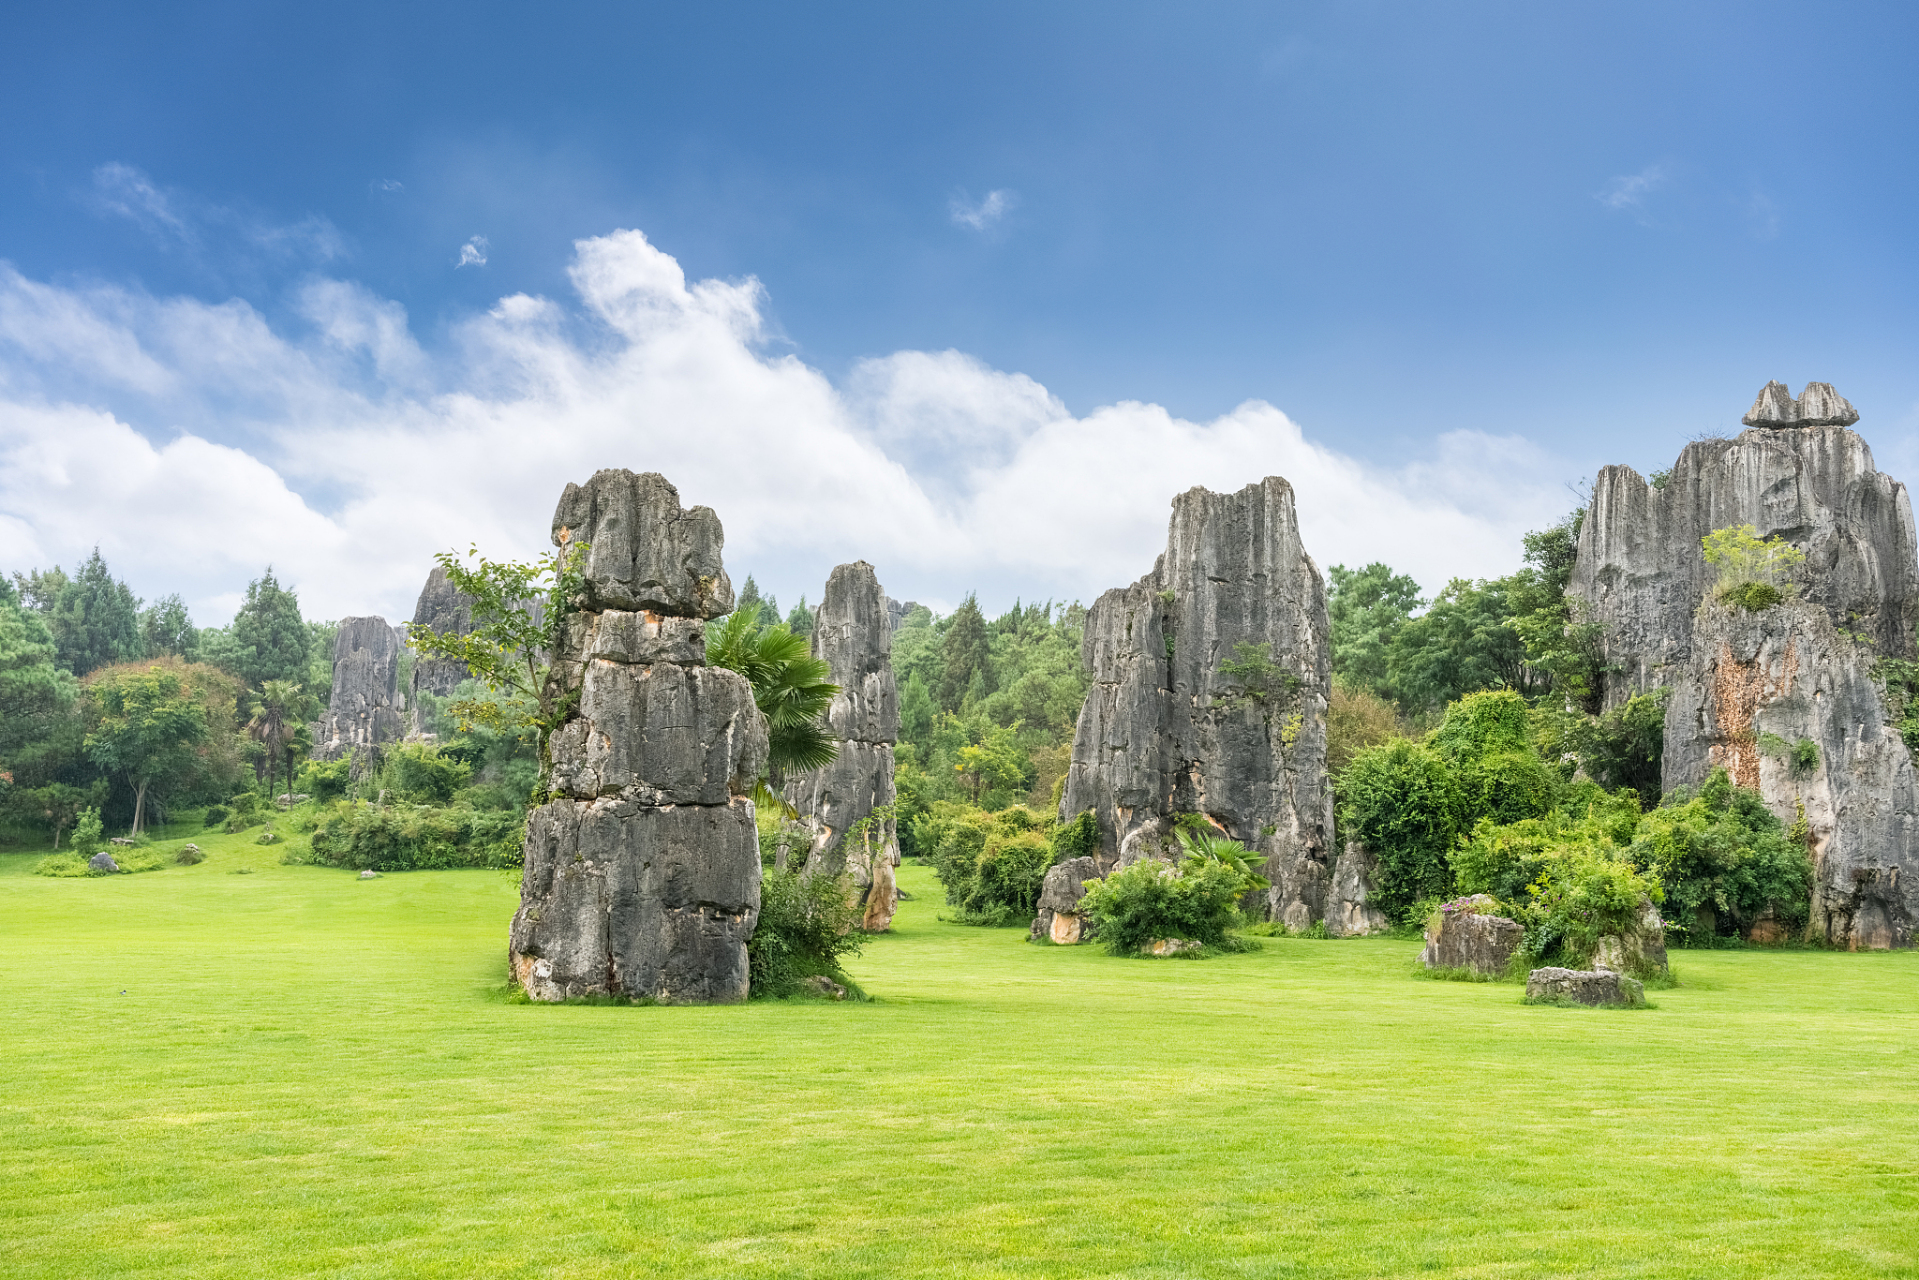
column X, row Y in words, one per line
column 360, row 710
column 448, row 611
column 1817, row 406
column 645, row 552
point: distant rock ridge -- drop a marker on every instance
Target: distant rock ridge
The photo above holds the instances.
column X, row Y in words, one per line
column 448, row 611
column 642, row 875
column 1163, row 731
column 1802, row 669
column 853, row 633
column 361, row 714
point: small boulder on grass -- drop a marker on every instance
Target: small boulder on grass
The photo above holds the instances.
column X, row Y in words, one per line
column 103, row 863
column 1466, row 934
column 1593, row 987
column 189, row 855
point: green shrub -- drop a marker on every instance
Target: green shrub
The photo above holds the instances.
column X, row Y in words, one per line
column 88, row 837
column 74, row 865
column 425, row 776
column 1753, row 597
column 1196, row 901
column 361, row 836
column 325, row 780
column 1404, row 801
column 993, row 865
column 1725, row 860
column 806, row 925
column 216, row 814
column 1584, row 891
column 189, row 856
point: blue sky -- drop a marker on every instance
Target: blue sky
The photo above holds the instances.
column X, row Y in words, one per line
column 1470, row 252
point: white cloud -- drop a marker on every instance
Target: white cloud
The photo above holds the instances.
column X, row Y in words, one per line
column 979, row 217
column 473, row 253
column 347, row 456
column 124, row 191
column 1628, row 194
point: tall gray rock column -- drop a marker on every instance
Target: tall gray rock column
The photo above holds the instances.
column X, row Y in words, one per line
column 1801, row 669
column 360, row 710
column 853, row 633
column 1164, row 732
column 643, row 877
column 444, row 609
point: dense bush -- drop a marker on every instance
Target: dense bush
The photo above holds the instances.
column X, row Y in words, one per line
column 1197, row 900
column 325, row 780
column 806, row 924
column 425, row 775
column 993, row 865
column 361, row 836
column 1725, row 860
column 1404, row 801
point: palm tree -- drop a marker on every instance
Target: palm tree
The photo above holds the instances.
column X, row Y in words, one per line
column 790, row 686
column 279, row 715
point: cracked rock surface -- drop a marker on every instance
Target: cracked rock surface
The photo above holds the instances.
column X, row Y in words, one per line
column 642, row 872
column 360, row 710
column 1164, row 731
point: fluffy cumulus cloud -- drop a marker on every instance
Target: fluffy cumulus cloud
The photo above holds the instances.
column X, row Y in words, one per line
column 195, row 444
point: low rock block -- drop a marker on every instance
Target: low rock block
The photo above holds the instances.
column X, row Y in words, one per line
column 1596, row 987
column 1468, row 936
column 1059, row 919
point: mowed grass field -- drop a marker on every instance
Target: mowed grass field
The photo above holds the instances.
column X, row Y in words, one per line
column 297, row 1073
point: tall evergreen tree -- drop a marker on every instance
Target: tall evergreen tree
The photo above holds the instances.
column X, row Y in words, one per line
column 270, row 640
column 965, row 657
column 34, row 692
column 1366, row 608
column 166, row 628
column 95, row 621
column 800, row 621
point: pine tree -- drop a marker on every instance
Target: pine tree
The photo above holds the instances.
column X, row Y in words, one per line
column 270, row 639
column 965, row 653
column 95, row 621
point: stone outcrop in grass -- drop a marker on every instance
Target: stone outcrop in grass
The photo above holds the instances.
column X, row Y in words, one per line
column 853, row 634
column 1595, row 987
column 1640, row 949
column 642, row 876
column 1164, row 730
column 361, row 715
column 1059, row 919
column 1798, row 671
column 1467, row 935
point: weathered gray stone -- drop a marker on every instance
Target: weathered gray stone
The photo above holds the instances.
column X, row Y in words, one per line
column 644, row 551
column 1349, row 911
column 1059, row 919
column 360, row 713
column 1595, row 987
column 853, row 634
column 1801, row 669
column 1640, row 950
column 449, row 612
column 1469, row 936
column 1788, row 672
column 661, row 734
column 642, row 876
column 651, row 903
column 102, row 861
column 1162, row 731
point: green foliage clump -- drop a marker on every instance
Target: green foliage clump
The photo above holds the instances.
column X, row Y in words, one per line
column 1725, row 860
column 361, row 836
column 1624, row 747
column 426, row 775
column 268, row 639
column 215, row 815
column 790, row 687
column 1196, row 901
column 1900, row 680
column 1404, row 801
column 324, row 780
column 1365, row 609
column 1752, row 573
column 807, row 925
column 994, row 865
column 88, row 836
column 72, row 866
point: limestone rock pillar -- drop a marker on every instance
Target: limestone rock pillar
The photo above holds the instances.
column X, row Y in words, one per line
column 642, row 874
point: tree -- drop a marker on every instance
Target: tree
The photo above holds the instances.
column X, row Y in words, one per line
column 800, row 621
column 165, row 628
column 95, row 621
column 509, row 644
column 57, row 804
column 277, row 722
column 1366, row 607
column 270, row 641
column 148, row 725
column 965, row 656
column 40, row 590
column 34, row 693
column 1464, row 643
column 790, row 687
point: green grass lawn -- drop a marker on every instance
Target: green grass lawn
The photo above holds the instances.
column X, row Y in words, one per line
column 295, row 1072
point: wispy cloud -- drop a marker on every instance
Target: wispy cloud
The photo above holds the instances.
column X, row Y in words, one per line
column 473, row 253
column 1628, row 194
column 943, row 471
column 986, row 213
column 222, row 239
column 387, row 184
column 125, row 192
